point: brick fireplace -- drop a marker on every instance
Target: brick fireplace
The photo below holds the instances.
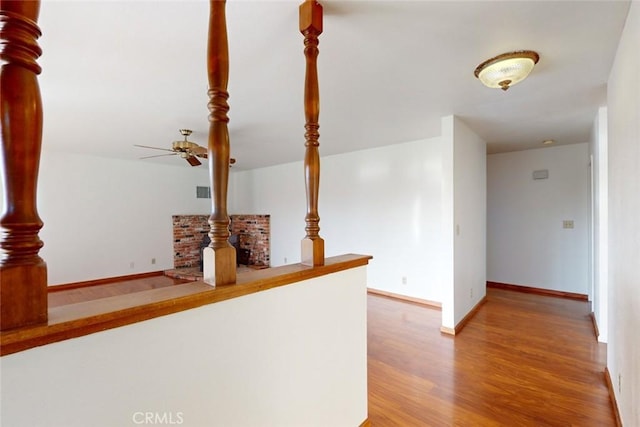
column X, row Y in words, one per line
column 253, row 231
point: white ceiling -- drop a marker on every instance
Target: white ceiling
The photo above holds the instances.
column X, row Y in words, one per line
column 118, row 73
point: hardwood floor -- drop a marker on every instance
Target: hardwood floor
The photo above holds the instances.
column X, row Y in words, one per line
column 522, row 360
column 117, row 287
column 87, row 293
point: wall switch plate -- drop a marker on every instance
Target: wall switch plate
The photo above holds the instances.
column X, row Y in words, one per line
column 541, row 174
column 567, row 223
column 619, row 383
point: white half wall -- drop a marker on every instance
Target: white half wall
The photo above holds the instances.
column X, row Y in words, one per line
column 464, row 220
column 383, row 202
column 623, row 102
column 527, row 244
column 295, row 355
column 101, row 215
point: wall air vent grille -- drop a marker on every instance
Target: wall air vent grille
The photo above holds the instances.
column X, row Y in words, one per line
column 203, row 192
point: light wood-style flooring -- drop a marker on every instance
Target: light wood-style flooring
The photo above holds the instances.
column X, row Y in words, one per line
column 522, row 360
column 88, row 293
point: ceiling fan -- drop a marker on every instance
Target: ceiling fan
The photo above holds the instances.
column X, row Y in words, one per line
column 190, row 151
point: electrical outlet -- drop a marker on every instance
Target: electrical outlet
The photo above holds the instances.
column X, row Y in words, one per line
column 285, row 260
column 131, row 264
column 471, row 293
column 404, row 280
column 153, row 260
column 567, row 223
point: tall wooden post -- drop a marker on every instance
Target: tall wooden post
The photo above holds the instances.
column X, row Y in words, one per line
column 220, row 257
column 311, row 28
column 23, row 274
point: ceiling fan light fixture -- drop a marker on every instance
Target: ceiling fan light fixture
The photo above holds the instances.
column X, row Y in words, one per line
column 184, row 146
column 185, row 149
column 507, row 69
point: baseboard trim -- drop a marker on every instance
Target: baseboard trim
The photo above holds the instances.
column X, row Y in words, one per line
column 88, row 283
column 447, row 330
column 461, row 324
column 538, row 291
column 612, row 396
column 595, row 324
column 430, row 304
column 365, row 423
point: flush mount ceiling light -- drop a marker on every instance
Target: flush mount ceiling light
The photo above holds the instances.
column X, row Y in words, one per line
column 503, row 71
column 548, row 142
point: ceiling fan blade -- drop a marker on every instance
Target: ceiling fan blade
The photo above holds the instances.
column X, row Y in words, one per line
column 199, row 151
column 232, row 161
column 153, row 148
column 159, row 155
column 193, row 161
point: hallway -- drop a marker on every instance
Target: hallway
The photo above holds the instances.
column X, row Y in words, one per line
column 522, row 360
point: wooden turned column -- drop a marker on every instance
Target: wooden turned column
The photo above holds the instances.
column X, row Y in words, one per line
column 220, row 257
column 311, row 27
column 23, row 274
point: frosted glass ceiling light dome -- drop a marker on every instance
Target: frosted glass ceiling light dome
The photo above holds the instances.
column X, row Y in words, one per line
column 507, row 69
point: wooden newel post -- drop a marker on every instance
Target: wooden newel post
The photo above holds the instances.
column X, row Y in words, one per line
column 220, row 257
column 311, row 28
column 23, row 274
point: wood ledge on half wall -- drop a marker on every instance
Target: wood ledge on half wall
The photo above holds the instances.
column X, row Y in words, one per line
column 76, row 320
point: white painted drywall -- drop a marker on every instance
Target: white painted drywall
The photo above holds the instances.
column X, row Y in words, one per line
column 464, row 217
column 383, row 202
column 527, row 244
column 470, row 219
column 447, row 252
column 290, row 356
column 279, row 192
column 598, row 146
column 100, row 215
column 623, row 102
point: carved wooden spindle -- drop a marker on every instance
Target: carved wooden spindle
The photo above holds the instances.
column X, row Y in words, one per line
column 311, row 28
column 220, row 257
column 23, row 274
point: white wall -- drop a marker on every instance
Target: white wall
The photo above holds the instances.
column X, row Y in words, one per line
column 290, row 356
column 464, row 218
column 100, row 214
column 383, row 202
column 600, row 222
column 527, row 244
column 279, row 192
column 623, row 100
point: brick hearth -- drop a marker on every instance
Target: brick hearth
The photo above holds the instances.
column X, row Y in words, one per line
column 254, row 233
